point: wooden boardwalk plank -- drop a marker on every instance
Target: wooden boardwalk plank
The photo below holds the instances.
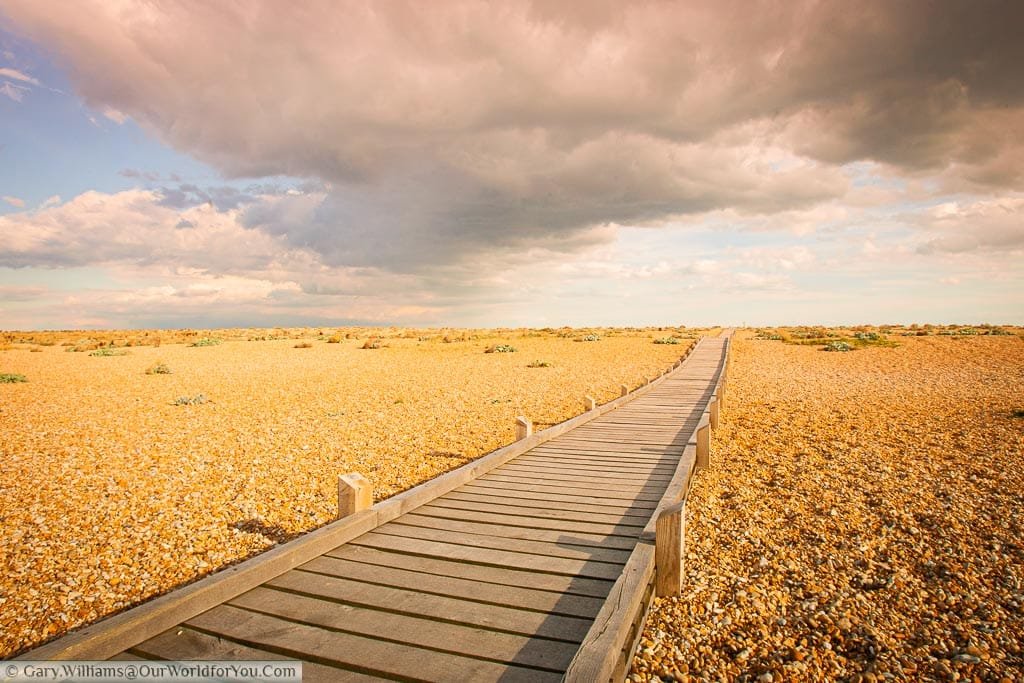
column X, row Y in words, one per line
column 568, row 526
column 541, row 512
column 465, row 589
column 501, row 576
column 364, row 655
column 548, row 548
column 586, row 540
column 499, row 558
column 551, row 655
column 435, row 607
column 183, row 644
column 613, row 495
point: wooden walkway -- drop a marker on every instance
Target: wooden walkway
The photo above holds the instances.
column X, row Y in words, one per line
column 500, row 578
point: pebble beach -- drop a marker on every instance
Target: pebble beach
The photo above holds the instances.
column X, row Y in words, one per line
column 862, row 520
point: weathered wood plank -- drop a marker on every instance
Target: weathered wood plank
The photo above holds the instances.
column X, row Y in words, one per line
column 581, row 539
column 366, row 655
column 524, row 510
column 436, row 635
column 568, row 526
column 568, row 483
column 498, row 558
column 502, row 576
column 509, row 596
column 184, row 644
column 437, row 607
column 518, row 545
column 522, row 499
column 612, row 493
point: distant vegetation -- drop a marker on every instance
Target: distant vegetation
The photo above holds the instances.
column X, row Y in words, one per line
column 107, row 351
column 158, row 369
column 539, row 364
column 206, row 341
column 198, row 399
column 500, row 348
column 668, row 340
column 11, row 378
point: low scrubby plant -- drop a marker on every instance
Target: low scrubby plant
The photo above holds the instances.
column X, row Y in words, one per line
column 198, row 399
column 838, row 346
column 206, row 341
column 303, row 345
column 107, row 351
column 867, row 336
column 590, row 337
column 500, row 348
column 371, row 344
column 158, row 369
column 667, row 340
column 334, row 339
column 539, row 364
column 11, row 378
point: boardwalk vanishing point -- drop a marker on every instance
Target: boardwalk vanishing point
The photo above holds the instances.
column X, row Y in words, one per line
column 536, row 562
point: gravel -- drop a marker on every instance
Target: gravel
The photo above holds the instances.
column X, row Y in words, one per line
column 863, row 520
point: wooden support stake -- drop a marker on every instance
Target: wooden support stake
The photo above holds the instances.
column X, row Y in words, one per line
column 589, row 403
column 669, row 543
column 713, row 410
column 355, row 494
column 704, row 446
column 524, row 428
column 623, row 390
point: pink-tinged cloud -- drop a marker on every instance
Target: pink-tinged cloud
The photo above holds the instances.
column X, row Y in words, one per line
column 14, row 201
column 447, row 129
column 16, row 75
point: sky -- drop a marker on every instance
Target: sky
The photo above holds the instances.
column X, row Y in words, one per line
column 259, row 163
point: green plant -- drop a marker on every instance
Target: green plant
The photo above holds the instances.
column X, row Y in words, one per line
column 11, row 378
column 107, row 351
column 998, row 331
column 837, row 346
column 500, row 348
column 867, row 336
column 158, row 369
column 198, row 399
column 667, row 340
column 539, row 364
column 206, row 341
column 967, row 331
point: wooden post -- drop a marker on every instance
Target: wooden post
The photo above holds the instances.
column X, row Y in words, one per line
column 623, row 390
column 713, row 411
column 704, row 445
column 669, row 542
column 589, row 403
column 354, row 494
column 524, row 428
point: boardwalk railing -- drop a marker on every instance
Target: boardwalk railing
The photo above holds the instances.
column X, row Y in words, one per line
column 654, row 567
column 616, row 623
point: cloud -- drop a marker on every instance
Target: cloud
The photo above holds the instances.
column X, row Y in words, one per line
column 14, row 92
column 445, row 130
column 16, row 75
column 981, row 225
column 14, row 201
